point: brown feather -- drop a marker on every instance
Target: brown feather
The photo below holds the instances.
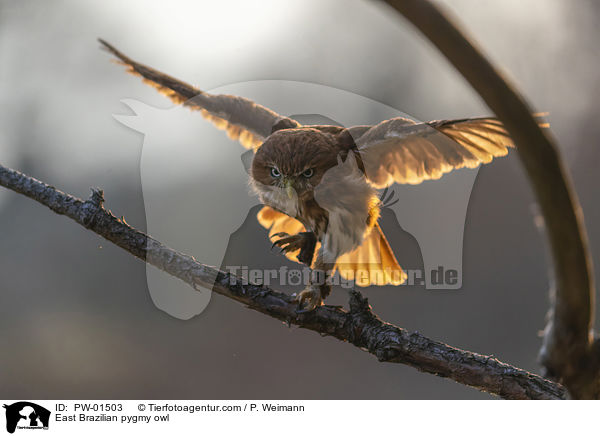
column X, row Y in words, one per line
column 242, row 119
column 403, row 151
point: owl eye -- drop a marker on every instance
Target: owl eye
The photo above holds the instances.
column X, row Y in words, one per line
column 308, row 173
column 275, row 173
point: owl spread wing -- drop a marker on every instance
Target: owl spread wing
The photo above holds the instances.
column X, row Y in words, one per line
column 372, row 263
column 242, row 119
column 403, row 151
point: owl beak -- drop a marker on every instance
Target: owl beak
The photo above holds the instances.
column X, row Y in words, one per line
column 289, row 188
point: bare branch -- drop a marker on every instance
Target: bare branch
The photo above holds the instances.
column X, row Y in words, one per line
column 359, row 326
column 567, row 349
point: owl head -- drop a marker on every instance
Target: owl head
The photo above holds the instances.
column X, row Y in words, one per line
column 295, row 160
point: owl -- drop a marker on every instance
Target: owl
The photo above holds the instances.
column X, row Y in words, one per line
column 319, row 183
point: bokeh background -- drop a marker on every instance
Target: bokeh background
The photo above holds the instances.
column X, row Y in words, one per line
column 76, row 318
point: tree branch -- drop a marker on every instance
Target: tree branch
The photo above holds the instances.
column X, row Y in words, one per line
column 359, row 326
column 568, row 353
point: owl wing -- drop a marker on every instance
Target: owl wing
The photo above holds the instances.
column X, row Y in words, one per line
column 372, row 263
column 403, row 151
column 242, row 119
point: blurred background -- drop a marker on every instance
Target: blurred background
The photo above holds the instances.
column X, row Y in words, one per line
column 76, row 317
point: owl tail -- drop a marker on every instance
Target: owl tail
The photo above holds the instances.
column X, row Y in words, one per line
column 372, row 263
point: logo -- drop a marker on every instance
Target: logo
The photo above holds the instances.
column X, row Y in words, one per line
column 26, row 415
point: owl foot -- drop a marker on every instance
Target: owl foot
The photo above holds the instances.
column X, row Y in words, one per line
column 309, row 299
column 304, row 241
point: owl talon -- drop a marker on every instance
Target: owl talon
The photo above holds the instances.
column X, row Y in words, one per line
column 275, row 244
column 290, row 243
column 280, row 242
column 304, row 241
column 309, row 299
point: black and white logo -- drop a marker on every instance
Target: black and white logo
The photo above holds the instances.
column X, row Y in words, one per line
column 26, row 415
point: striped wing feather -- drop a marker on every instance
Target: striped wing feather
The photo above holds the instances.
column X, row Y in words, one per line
column 400, row 150
column 242, row 119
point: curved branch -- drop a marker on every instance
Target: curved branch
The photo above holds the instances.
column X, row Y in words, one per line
column 567, row 351
column 359, row 326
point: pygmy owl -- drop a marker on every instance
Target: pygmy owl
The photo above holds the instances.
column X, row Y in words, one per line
column 319, row 183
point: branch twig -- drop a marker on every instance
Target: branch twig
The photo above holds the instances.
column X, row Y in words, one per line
column 359, row 326
column 568, row 352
